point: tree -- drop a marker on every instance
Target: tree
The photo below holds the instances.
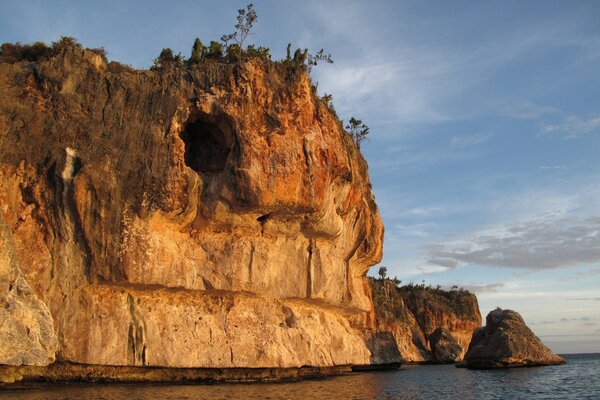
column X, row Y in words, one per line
column 303, row 59
column 357, row 130
column 198, row 52
column 313, row 60
column 245, row 19
column 383, row 272
column 215, row 50
column 260, row 52
column 166, row 59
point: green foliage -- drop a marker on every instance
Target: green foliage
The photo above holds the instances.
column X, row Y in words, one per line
column 215, row 51
column 167, row 59
column 390, row 298
column 11, row 53
column 313, row 60
column 382, row 272
column 304, row 60
column 456, row 298
column 261, row 52
column 64, row 42
column 389, row 305
column 245, row 20
column 357, row 130
column 232, row 53
column 198, row 52
column 300, row 57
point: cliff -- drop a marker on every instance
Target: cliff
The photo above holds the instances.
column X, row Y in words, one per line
column 428, row 324
column 195, row 217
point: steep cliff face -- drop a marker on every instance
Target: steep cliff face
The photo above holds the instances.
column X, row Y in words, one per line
column 196, row 217
column 419, row 317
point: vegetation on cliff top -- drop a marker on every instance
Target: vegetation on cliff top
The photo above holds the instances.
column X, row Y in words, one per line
column 390, row 298
column 231, row 50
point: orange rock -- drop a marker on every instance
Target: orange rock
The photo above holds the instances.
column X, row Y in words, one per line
column 203, row 216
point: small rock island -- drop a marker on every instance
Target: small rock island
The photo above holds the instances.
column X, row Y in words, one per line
column 506, row 342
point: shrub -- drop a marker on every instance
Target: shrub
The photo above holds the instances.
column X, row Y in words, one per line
column 215, row 50
column 167, row 59
column 11, row 53
column 64, row 42
column 198, row 52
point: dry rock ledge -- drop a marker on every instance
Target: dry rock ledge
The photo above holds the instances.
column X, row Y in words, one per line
column 507, row 342
column 206, row 217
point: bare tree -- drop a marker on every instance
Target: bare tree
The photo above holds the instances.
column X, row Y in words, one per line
column 245, row 19
column 313, row 60
column 357, row 130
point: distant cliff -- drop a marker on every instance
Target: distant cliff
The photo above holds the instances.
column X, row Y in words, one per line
column 425, row 319
column 213, row 215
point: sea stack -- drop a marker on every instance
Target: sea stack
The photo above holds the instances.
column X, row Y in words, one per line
column 507, row 342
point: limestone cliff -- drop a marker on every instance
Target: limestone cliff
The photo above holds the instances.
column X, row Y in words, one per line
column 205, row 216
column 428, row 324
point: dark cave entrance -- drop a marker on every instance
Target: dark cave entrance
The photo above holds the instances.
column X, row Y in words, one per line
column 208, row 140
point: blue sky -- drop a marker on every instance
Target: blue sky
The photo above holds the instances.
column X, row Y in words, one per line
column 485, row 128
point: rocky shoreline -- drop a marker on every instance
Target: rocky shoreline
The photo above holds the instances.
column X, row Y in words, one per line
column 60, row 372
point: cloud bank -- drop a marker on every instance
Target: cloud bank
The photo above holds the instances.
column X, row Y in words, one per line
column 550, row 241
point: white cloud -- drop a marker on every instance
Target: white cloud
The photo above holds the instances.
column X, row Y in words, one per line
column 572, row 127
column 470, row 140
column 545, row 242
column 478, row 289
column 529, row 110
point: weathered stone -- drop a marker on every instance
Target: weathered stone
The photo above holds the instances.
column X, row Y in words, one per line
column 413, row 313
column 26, row 332
column 444, row 346
column 194, row 217
column 506, row 341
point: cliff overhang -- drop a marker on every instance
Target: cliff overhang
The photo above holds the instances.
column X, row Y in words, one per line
column 210, row 216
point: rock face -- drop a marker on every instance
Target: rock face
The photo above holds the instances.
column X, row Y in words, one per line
column 194, row 217
column 444, row 346
column 413, row 313
column 26, row 332
column 506, row 341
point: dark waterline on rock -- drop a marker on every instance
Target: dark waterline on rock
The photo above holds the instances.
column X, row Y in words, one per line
column 579, row 379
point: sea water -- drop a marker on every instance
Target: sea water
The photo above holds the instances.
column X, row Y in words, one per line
column 578, row 379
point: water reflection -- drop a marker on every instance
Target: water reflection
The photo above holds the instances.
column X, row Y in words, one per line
column 355, row 386
column 578, row 379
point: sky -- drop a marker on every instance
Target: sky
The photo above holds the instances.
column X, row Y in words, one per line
column 484, row 124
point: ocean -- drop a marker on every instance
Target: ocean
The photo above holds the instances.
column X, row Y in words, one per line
column 578, row 379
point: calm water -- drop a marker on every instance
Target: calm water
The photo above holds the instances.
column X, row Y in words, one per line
column 579, row 379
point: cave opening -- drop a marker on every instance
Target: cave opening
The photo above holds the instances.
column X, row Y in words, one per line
column 208, row 140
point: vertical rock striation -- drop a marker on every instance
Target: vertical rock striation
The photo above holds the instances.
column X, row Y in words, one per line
column 26, row 332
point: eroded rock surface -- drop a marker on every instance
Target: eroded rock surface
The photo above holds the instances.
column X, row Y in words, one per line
column 444, row 346
column 194, row 217
column 506, row 341
column 26, row 332
column 413, row 313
